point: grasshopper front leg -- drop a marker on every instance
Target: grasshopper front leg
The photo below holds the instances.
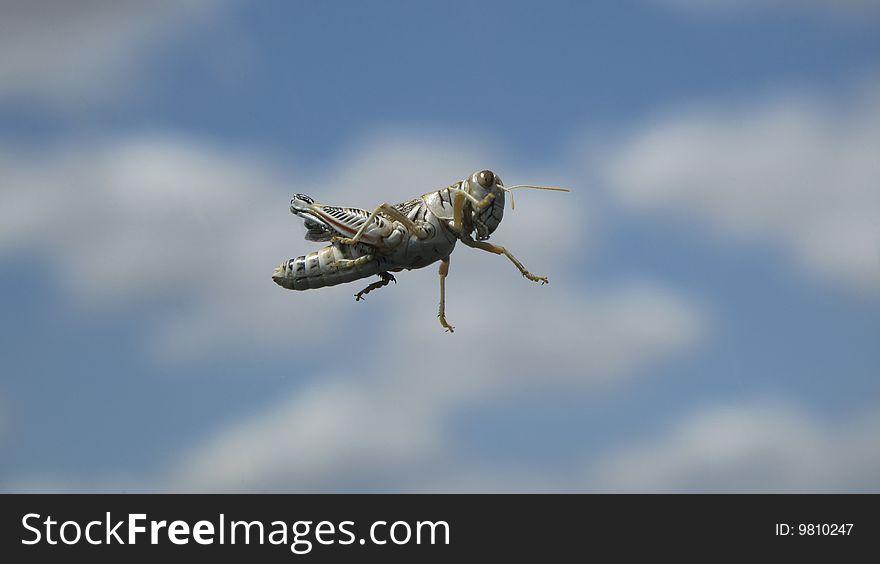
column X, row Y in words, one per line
column 458, row 222
column 444, row 270
column 458, row 201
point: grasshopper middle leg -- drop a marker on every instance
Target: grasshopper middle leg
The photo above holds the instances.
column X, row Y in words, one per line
column 386, row 278
column 444, row 270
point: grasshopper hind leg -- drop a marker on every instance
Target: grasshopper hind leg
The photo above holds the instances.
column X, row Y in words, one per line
column 386, row 278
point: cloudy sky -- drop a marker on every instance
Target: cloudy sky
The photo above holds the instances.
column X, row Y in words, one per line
column 713, row 318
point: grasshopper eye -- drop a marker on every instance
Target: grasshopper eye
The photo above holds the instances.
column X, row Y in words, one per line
column 486, row 178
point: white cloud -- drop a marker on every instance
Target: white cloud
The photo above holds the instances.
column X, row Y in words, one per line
column 338, row 435
column 792, row 169
column 65, row 53
column 129, row 219
column 762, row 447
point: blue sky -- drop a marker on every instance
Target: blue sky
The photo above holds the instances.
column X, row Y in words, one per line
column 712, row 321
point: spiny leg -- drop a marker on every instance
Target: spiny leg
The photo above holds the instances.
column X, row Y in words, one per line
column 391, row 212
column 444, row 270
column 499, row 250
column 386, row 278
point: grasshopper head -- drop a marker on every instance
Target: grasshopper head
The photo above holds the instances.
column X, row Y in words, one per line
column 478, row 185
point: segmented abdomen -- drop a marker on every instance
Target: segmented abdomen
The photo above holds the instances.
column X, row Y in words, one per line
column 328, row 266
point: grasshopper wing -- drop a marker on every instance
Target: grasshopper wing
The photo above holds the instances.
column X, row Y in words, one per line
column 324, row 222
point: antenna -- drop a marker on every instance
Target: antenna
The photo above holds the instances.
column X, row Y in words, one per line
column 509, row 188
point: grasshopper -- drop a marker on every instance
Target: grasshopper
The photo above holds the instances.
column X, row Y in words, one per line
column 391, row 238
